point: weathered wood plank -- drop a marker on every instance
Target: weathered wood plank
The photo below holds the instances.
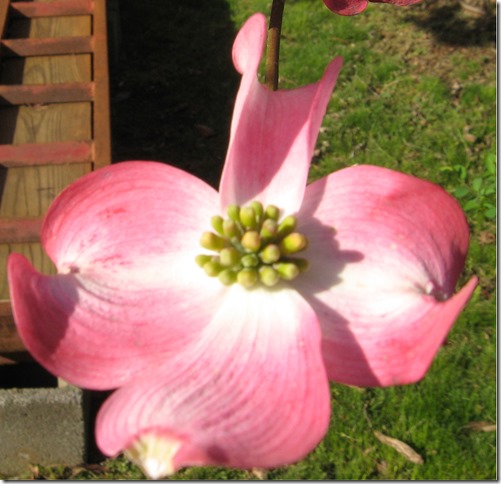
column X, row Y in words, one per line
column 45, row 123
column 20, row 229
column 46, row 93
column 4, row 10
column 51, row 9
column 63, row 68
column 101, row 121
column 36, row 187
column 49, row 46
column 9, row 339
column 45, row 27
column 32, row 154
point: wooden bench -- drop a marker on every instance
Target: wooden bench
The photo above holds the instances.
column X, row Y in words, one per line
column 54, row 123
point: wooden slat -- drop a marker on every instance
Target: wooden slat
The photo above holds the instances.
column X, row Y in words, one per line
column 10, row 341
column 51, row 9
column 4, row 9
column 101, row 114
column 24, row 230
column 64, row 68
column 49, row 46
column 58, row 153
column 46, row 93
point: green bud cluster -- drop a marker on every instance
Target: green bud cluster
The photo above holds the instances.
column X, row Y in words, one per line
column 253, row 246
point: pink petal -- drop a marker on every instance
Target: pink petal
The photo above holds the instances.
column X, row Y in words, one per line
column 251, row 392
column 273, row 133
column 124, row 240
column 346, row 7
column 354, row 7
column 386, row 250
column 399, row 3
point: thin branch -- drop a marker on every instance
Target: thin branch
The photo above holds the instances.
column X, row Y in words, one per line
column 273, row 44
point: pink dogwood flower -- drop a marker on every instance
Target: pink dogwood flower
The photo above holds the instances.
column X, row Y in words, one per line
column 354, row 7
column 199, row 307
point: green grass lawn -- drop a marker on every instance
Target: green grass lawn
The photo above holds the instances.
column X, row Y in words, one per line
column 413, row 96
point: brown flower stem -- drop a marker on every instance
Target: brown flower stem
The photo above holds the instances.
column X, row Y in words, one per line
column 273, row 44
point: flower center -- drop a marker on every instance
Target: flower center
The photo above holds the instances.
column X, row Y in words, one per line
column 254, row 245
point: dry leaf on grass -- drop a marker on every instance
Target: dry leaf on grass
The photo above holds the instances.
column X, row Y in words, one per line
column 486, row 237
column 35, row 472
column 382, row 467
column 94, row 468
column 260, row 474
column 401, row 447
column 481, row 426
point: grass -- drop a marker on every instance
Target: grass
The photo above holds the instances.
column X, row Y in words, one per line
column 411, row 97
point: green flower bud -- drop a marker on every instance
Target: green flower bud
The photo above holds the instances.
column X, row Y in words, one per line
column 271, row 253
column 217, row 224
column 248, row 217
column 247, row 277
column 287, row 226
column 251, row 241
column 211, row 241
column 268, row 276
column 250, row 260
column 292, row 243
column 258, row 209
column 213, row 267
column 269, row 229
column 231, row 229
column 234, row 213
column 229, row 256
column 286, row 270
column 272, row 212
column 227, row 277
column 202, row 259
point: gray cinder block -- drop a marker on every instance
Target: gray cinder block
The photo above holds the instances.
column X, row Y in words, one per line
column 44, row 426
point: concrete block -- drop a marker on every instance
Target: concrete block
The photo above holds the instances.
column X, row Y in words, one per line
column 44, row 426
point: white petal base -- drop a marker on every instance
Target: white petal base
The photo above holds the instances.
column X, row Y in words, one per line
column 154, row 454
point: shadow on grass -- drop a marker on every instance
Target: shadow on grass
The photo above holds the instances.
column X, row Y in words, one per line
column 450, row 23
column 173, row 84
